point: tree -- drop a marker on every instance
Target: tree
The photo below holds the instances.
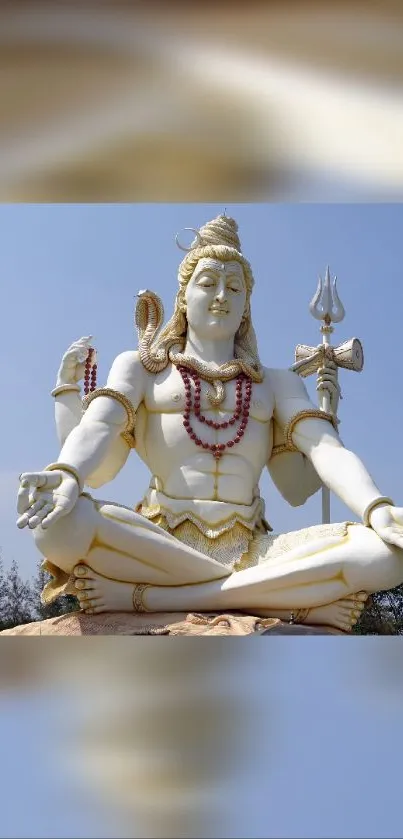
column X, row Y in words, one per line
column 17, row 599
column 383, row 614
column 61, row 606
column 2, row 595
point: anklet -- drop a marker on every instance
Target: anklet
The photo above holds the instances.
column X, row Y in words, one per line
column 137, row 598
column 299, row 616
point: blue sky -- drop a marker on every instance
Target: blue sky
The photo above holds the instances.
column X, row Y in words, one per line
column 333, row 704
column 72, row 270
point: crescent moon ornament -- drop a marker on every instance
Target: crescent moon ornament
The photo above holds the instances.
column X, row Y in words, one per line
column 199, row 240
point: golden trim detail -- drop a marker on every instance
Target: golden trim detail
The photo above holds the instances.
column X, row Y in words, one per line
column 309, row 413
column 128, row 434
column 137, row 597
column 212, row 531
column 299, row 616
column 282, row 447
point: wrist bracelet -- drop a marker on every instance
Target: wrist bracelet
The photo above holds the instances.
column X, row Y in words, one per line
column 64, row 389
column 382, row 499
column 64, row 467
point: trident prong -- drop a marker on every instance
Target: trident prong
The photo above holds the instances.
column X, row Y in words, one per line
column 326, row 304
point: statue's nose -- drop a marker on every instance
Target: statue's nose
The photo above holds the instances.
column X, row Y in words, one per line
column 221, row 293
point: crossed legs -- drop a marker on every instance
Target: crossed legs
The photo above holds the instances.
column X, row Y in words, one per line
column 120, row 547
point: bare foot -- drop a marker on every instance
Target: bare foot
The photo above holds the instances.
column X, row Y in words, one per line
column 99, row 594
column 343, row 614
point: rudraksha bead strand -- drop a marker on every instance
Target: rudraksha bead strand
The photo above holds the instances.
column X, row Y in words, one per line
column 242, row 408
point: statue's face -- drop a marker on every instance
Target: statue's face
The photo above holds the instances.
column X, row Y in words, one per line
column 215, row 298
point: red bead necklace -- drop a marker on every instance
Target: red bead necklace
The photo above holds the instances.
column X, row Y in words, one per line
column 90, row 374
column 242, row 406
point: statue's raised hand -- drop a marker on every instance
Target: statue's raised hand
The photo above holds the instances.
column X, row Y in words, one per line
column 44, row 497
column 72, row 366
column 328, row 381
column 387, row 521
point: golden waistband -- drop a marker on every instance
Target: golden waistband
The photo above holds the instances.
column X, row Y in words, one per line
column 212, row 518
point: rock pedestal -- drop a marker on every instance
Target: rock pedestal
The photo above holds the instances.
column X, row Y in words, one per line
column 173, row 623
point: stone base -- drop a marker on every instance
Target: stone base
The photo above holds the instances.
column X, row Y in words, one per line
column 158, row 623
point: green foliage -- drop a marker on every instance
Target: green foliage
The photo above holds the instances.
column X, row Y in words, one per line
column 60, row 606
column 3, row 594
column 20, row 601
column 383, row 614
column 16, row 606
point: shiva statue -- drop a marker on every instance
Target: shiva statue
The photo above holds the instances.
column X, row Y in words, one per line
column 202, row 412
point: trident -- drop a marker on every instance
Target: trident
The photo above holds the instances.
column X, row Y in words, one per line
column 327, row 307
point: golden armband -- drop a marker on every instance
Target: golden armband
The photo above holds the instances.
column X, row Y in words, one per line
column 128, row 434
column 308, row 413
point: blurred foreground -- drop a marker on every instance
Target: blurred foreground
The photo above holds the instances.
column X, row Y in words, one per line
column 183, row 738
column 123, row 101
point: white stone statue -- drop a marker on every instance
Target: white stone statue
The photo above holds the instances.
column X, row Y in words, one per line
column 206, row 417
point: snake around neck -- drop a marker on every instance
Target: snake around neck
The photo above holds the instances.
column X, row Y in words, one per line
column 158, row 350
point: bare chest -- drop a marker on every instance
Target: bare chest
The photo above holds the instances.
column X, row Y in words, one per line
column 166, row 395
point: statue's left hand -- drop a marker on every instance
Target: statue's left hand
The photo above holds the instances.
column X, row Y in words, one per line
column 44, row 497
column 387, row 521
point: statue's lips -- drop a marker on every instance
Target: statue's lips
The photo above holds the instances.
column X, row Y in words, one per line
column 217, row 311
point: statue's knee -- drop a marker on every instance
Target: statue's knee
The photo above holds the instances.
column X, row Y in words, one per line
column 372, row 564
column 69, row 538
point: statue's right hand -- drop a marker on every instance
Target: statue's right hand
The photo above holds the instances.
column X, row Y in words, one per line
column 72, row 365
column 44, row 497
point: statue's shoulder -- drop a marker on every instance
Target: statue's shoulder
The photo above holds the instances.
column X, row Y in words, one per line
column 128, row 375
column 284, row 383
column 128, row 363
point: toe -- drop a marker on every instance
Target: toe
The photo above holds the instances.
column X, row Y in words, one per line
column 91, row 602
column 359, row 596
column 82, row 570
column 83, row 584
column 94, row 607
column 341, row 623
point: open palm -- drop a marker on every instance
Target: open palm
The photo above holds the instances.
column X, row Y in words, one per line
column 387, row 521
column 44, row 497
